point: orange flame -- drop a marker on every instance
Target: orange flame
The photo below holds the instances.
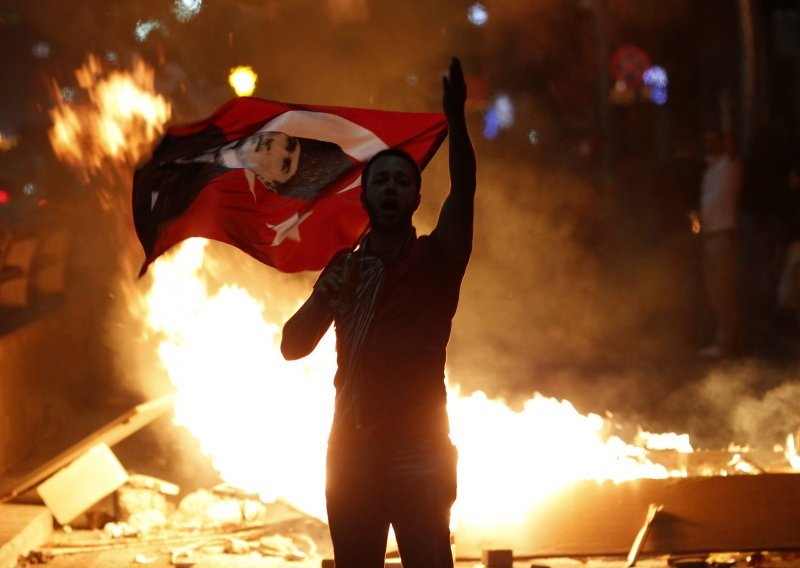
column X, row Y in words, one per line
column 113, row 124
column 264, row 421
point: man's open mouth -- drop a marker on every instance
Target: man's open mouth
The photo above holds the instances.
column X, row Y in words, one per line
column 390, row 205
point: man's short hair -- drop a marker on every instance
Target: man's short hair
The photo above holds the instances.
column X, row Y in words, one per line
column 320, row 163
column 392, row 152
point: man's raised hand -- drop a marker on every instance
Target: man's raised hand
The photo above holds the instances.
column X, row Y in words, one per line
column 454, row 91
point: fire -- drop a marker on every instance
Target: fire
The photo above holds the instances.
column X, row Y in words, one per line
column 114, row 121
column 104, row 131
column 264, row 421
column 791, row 453
column 511, row 461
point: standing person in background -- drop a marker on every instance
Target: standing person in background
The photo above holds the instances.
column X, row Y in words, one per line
column 789, row 282
column 720, row 190
column 390, row 458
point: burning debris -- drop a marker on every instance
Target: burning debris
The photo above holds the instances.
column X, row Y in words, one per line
column 216, row 521
column 153, row 519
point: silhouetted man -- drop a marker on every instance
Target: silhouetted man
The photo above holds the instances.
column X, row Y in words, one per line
column 390, row 459
column 719, row 198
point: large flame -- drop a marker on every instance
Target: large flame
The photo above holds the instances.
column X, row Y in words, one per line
column 264, row 421
column 112, row 120
column 102, row 130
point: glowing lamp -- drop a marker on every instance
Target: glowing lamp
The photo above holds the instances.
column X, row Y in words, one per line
column 657, row 79
column 243, row 80
column 477, row 14
column 185, row 10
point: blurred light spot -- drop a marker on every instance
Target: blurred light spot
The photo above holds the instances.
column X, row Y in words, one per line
column 42, row 202
column 144, row 27
column 7, row 142
column 533, row 137
column 243, row 80
column 500, row 116
column 491, row 124
column 41, row 50
column 505, row 110
column 111, row 56
column 477, row 14
column 657, row 79
column 694, row 220
column 185, row 10
column 69, row 94
column 3, row 196
column 655, row 76
column 620, row 85
column 29, row 189
column 412, row 79
column 659, row 95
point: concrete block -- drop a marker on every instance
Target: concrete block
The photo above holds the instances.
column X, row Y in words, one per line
column 81, row 484
column 22, row 529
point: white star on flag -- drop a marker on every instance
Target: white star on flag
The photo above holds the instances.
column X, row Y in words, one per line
column 288, row 229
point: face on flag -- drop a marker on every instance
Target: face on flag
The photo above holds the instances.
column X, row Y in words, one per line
column 278, row 181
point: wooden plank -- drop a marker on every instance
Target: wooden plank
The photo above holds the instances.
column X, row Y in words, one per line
column 113, row 432
column 700, row 514
column 22, row 528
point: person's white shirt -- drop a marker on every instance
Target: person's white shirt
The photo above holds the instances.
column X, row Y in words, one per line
column 719, row 194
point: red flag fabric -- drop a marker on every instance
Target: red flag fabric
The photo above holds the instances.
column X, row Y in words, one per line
column 279, row 181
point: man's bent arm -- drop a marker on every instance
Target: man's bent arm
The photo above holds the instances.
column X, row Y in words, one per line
column 305, row 328
column 454, row 228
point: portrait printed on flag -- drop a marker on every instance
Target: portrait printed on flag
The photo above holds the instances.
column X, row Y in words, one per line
column 289, row 166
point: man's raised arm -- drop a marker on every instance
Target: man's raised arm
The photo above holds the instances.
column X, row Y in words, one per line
column 454, row 228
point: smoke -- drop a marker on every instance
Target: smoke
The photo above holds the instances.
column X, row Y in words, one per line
column 750, row 403
column 565, row 293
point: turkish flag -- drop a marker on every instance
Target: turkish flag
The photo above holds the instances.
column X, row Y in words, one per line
column 279, row 181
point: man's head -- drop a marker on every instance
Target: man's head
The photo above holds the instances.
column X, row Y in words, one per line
column 272, row 156
column 390, row 190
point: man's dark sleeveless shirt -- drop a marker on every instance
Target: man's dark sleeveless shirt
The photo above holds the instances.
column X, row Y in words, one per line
column 390, row 388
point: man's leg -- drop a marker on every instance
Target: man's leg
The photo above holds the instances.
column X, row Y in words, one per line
column 356, row 517
column 421, row 491
column 722, row 280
